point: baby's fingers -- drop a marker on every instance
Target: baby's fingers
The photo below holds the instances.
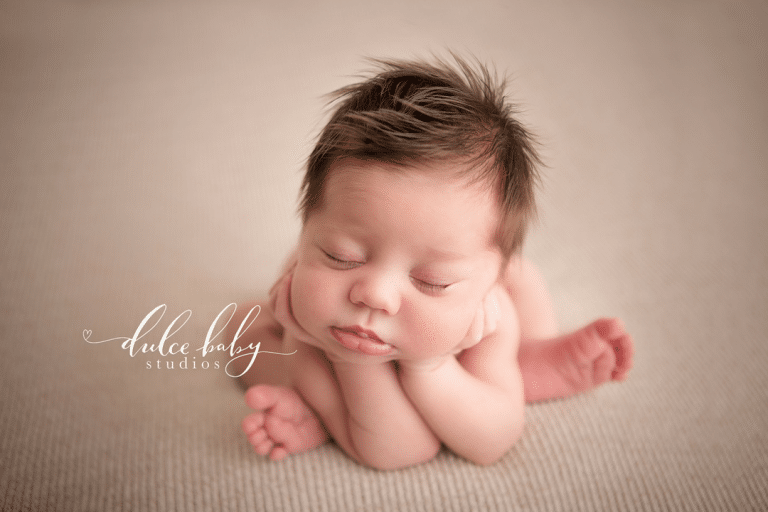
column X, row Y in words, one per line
column 491, row 309
column 476, row 330
column 281, row 302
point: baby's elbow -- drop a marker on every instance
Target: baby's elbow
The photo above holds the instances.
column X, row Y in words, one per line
column 492, row 452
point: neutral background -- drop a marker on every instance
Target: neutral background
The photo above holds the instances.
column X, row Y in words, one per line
column 151, row 152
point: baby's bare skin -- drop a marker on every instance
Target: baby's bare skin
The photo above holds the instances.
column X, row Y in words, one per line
column 407, row 332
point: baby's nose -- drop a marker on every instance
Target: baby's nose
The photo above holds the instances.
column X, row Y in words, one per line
column 376, row 290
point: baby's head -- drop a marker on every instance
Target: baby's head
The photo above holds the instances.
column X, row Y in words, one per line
column 418, row 191
column 416, row 113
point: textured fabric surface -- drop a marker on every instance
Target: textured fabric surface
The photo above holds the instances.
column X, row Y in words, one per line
column 150, row 153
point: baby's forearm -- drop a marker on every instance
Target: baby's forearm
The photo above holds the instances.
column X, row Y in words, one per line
column 478, row 420
column 365, row 410
column 384, row 428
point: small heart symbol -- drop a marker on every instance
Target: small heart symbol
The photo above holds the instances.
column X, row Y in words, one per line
column 86, row 334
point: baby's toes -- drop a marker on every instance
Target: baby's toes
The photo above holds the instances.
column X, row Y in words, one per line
column 610, row 328
column 603, row 368
column 624, row 348
column 264, row 446
column 253, row 423
column 284, row 433
column 257, row 438
column 278, row 453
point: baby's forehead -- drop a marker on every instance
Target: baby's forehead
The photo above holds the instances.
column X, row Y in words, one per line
column 470, row 174
column 359, row 183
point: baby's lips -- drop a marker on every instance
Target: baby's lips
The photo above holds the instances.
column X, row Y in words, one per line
column 360, row 344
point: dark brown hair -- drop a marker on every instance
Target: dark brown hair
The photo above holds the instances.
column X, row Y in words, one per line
column 416, row 111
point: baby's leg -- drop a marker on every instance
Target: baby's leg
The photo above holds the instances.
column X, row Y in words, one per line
column 531, row 298
column 576, row 362
column 282, row 422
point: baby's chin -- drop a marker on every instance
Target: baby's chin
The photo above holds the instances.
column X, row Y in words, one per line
column 338, row 354
column 348, row 357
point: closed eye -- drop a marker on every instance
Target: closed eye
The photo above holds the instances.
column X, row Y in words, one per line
column 344, row 264
column 427, row 287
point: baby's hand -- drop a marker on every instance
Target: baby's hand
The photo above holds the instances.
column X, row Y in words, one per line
column 280, row 297
column 486, row 319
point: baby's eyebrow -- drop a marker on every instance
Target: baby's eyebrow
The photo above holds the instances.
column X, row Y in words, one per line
column 446, row 254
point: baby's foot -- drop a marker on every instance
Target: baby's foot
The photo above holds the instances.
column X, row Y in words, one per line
column 282, row 424
column 576, row 362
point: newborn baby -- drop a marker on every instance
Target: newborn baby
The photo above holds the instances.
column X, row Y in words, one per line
column 412, row 318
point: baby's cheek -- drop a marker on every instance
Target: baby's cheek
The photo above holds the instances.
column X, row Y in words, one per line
column 311, row 298
column 438, row 332
column 303, row 300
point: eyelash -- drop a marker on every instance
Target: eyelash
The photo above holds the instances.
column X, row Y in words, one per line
column 429, row 287
column 344, row 263
column 422, row 285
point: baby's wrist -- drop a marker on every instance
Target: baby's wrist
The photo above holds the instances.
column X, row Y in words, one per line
column 423, row 365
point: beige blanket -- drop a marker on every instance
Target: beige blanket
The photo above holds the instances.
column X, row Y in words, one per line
column 150, row 154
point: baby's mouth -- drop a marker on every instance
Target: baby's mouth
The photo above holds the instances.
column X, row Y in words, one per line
column 361, row 340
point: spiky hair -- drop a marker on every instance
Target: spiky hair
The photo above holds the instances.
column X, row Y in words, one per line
column 411, row 111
